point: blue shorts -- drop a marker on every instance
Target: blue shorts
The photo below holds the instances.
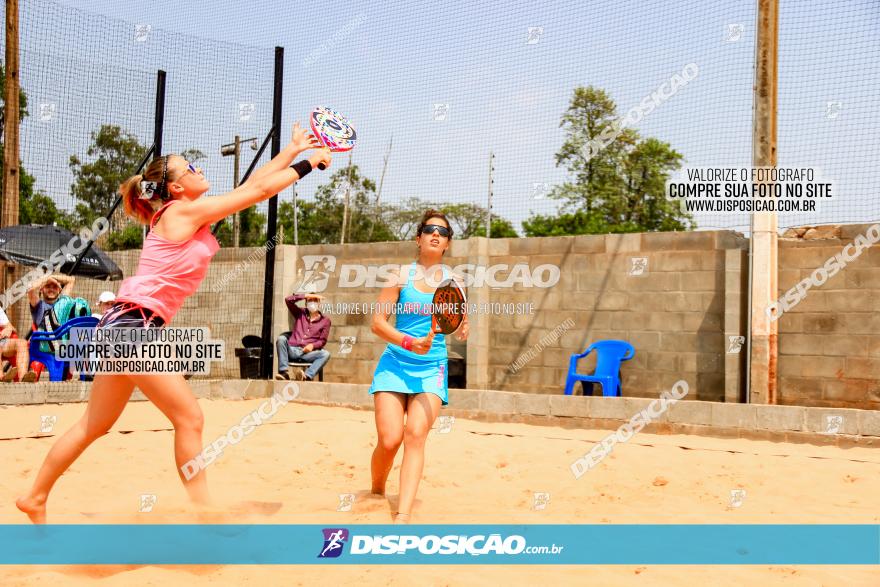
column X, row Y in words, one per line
column 405, row 375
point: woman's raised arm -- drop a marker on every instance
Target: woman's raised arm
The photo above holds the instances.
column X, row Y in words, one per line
column 184, row 219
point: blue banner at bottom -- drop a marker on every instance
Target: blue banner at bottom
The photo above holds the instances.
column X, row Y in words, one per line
column 631, row 544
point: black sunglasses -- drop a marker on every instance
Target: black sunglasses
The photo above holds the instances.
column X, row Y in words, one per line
column 430, row 228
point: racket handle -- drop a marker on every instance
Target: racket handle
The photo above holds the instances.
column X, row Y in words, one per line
column 321, row 166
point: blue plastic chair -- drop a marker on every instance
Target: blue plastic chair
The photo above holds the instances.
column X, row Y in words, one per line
column 58, row 370
column 611, row 353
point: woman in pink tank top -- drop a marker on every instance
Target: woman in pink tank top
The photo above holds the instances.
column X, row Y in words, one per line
column 172, row 265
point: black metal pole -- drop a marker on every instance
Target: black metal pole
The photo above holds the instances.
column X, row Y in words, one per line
column 269, row 281
column 159, row 116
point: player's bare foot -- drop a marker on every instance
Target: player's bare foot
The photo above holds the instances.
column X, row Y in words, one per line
column 34, row 508
column 401, row 518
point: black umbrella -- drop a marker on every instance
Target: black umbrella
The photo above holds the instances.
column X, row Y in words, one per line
column 31, row 244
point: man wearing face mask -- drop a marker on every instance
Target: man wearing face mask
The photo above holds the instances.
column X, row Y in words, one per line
column 307, row 338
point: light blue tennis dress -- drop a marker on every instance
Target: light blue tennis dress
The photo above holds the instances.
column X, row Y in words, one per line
column 404, row 371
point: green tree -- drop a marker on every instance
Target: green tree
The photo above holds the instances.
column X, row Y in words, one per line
column 469, row 220
column 252, row 229
column 501, row 228
column 403, row 219
column 616, row 186
column 115, row 156
column 130, row 237
column 466, row 219
column 193, row 155
column 320, row 222
column 590, row 114
column 565, row 224
column 36, row 207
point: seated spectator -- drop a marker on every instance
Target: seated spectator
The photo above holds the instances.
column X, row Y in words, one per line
column 105, row 302
column 307, row 338
column 44, row 294
column 52, row 305
column 14, row 347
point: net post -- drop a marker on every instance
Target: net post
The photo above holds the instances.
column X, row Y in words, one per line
column 159, row 115
column 271, row 224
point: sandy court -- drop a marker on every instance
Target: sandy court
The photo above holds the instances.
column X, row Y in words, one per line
column 306, row 456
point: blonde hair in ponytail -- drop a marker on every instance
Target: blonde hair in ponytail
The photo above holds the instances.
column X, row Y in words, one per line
column 141, row 209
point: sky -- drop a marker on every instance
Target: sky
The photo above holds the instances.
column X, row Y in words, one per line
column 504, row 71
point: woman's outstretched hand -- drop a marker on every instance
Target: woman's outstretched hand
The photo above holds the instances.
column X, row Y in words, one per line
column 302, row 140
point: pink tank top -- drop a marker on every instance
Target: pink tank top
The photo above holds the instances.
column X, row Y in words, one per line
column 169, row 272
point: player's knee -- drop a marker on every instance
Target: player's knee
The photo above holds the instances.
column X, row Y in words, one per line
column 415, row 433
column 391, row 441
column 193, row 421
column 94, row 430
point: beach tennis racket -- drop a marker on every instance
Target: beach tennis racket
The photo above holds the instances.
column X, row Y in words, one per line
column 449, row 305
column 333, row 130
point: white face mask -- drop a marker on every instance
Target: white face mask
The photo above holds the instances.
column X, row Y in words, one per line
column 312, row 306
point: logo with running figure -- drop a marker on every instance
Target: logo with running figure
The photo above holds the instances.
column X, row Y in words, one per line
column 146, row 502
column 346, row 501
column 735, row 344
column 734, row 33
column 316, row 272
column 346, row 343
column 638, row 265
column 47, row 423
column 334, row 541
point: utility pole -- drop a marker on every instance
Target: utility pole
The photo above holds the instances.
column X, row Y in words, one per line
column 379, row 191
column 763, row 261
column 489, row 202
column 295, row 219
column 9, row 215
column 234, row 149
column 11, row 161
column 347, row 203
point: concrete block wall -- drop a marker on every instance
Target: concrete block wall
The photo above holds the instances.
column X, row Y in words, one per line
column 675, row 313
column 679, row 314
column 829, row 343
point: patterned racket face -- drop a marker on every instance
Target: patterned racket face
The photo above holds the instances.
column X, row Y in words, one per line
column 333, row 129
column 448, row 307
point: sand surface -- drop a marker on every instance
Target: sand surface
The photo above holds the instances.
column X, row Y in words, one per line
column 306, row 456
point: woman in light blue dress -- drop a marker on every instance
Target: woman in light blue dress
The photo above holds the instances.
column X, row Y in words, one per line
column 411, row 377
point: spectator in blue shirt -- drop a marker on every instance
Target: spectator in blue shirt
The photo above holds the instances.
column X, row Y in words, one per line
column 45, row 293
